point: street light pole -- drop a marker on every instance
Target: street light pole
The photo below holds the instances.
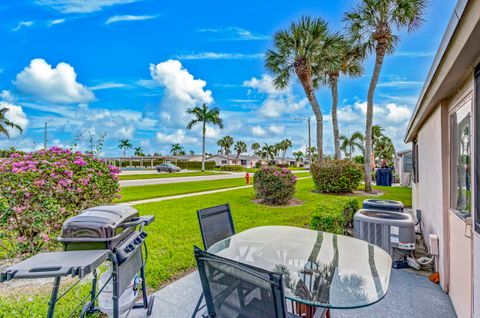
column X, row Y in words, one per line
column 45, row 135
column 309, row 150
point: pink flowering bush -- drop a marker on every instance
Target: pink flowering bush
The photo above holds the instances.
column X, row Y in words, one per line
column 274, row 185
column 40, row 190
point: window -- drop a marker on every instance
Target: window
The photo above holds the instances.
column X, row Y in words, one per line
column 243, row 162
column 224, row 162
column 408, row 162
column 460, row 160
column 477, row 146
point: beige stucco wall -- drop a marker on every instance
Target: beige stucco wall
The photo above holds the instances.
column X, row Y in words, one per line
column 428, row 192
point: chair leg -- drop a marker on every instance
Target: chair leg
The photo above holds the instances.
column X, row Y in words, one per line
column 197, row 307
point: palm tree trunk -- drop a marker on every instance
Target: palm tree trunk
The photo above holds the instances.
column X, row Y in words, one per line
column 308, row 88
column 203, row 146
column 379, row 55
column 336, row 134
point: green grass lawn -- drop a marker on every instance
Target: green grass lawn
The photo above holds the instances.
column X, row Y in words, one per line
column 175, row 231
column 166, row 175
column 165, row 190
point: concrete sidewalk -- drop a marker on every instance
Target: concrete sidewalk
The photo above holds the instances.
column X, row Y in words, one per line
column 409, row 295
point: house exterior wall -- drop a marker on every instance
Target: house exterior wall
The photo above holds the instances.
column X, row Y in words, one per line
column 428, row 192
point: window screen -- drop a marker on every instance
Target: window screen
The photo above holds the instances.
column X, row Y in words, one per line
column 408, row 162
column 477, row 147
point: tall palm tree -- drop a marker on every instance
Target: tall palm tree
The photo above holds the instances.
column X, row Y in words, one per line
column 284, row 146
column 138, row 152
column 225, row 143
column 371, row 24
column 268, row 151
column 304, row 49
column 202, row 115
column 176, row 150
column 240, row 147
column 348, row 63
column 4, row 123
column 350, row 144
column 125, row 144
column 255, row 148
column 384, row 148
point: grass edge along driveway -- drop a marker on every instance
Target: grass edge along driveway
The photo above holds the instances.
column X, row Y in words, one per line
column 159, row 175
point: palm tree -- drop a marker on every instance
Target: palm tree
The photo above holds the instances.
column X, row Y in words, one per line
column 125, row 144
column 348, row 63
column 138, row 152
column 284, row 146
column 4, row 123
column 240, row 147
column 191, row 153
column 350, row 144
column 203, row 115
column 384, row 148
column 255, row 148
column 225, row 143
column 304, row 49
column 371, row 24
column 176, row 150
column 268, row 151
column 298, row 156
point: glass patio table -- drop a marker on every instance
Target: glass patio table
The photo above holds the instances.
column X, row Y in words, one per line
column 320, row 269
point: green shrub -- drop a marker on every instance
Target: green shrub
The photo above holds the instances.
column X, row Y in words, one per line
column 359, row 159
column 195, row 165
column 334, row 216
column 274, row 185
column 40, row 190
column 231, row 168
column 336, row 176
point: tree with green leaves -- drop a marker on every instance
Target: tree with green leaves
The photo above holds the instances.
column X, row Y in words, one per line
column 371, row 24
column 5, row 123
column 352, row 143
column 298, row 156
column 240, row 147
column 138, row 152
column 384, row 149
column 285, row 144
column 268, row 151
column 202, row 115
column 304, row 50
column 125, row 144
column 177, row 150
column 347, row 63
column 255, row 148
column 225, row 144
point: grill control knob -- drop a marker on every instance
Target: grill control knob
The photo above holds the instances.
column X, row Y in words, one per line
column 137, row 241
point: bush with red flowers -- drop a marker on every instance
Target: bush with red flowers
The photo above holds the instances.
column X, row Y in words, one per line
column 40, row 190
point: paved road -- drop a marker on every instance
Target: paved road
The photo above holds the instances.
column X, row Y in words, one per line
column 229, row 175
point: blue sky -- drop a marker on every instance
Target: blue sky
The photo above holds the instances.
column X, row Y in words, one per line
column 130, row 69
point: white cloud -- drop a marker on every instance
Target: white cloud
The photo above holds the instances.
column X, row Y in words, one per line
column 182, row 90
column 23, row 24
column 398, row 113
column 56, row 22
column 107, row 85
column 123, row 18
column 178, row 136
column 276, row 129
column 258, row 131
column 276, row 101
column 6, row 96
column 212, row 133
column 400, row 84
column 233, row 33
column 220, row 56
column 57, row 85
column 81, row 6
column 16, row 115
column 414, row 54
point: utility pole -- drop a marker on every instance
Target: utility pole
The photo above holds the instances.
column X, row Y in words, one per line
column 45, row 135
column 309, row 150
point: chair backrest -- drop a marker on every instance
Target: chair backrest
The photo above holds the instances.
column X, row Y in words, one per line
column 216, row 224
column 237, row 290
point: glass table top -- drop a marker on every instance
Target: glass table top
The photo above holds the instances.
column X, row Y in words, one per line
column 320, row 269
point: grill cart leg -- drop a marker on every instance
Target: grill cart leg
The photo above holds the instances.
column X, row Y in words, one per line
column 93, row 291
column 53, row 297
column 115, row 289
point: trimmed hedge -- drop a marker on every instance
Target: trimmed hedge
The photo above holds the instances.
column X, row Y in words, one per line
column 231, row 168
column 336, row 176
column 336, row 216
column 195, row 165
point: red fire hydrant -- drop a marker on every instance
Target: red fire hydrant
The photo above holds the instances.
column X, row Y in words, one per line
column 247, row 178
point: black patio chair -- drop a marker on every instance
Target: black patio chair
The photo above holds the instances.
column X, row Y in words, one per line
column 216, row 224
column 243, row 292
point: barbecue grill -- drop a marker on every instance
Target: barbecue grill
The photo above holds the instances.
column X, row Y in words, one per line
column 110, row 232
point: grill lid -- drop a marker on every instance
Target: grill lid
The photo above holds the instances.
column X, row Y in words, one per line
column 101, row 222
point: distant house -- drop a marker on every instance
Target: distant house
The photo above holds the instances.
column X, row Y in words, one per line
column 445, row 133
column 242, row 160
column 404, row 167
